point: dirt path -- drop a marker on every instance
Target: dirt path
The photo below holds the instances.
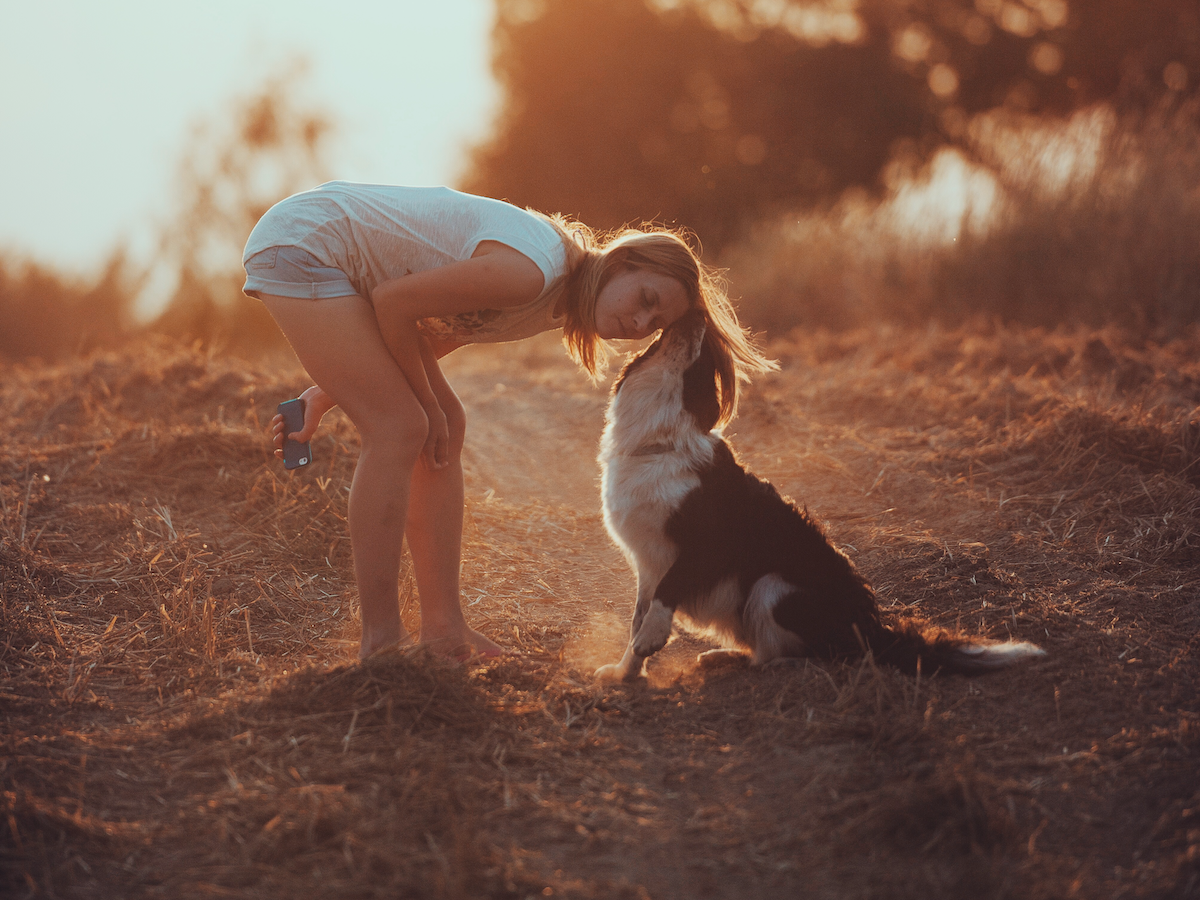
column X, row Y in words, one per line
column 180, row 720
column 885, row 476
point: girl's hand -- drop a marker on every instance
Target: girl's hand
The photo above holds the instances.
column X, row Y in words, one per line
column 316, row 404
column 436, row 453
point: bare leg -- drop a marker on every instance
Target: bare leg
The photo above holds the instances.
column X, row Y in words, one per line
column 435, row 526
column 339, row 344
column 379, row 498
column 435, row 522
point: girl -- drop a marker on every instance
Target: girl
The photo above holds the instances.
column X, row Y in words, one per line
column 372, row 284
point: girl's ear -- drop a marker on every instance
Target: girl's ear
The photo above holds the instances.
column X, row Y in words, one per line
column 700, row 389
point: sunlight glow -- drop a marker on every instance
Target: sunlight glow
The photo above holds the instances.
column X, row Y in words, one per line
column 99, row 100
column 819, row 23
column 1052, row 157
column 950, row 197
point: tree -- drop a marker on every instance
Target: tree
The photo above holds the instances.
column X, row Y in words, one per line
column 233, row 172
column 710, row 113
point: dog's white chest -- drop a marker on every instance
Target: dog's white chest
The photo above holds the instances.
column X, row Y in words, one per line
column 640, row 493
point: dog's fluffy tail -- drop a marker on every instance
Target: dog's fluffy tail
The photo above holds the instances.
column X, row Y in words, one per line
column 907, row 648
column 849, row 626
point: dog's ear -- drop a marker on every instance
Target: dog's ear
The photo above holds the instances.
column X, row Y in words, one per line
column 700, row 389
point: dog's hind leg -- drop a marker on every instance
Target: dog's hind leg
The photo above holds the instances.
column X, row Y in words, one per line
column 838, row 622
column 767, row 639
column 724, row 657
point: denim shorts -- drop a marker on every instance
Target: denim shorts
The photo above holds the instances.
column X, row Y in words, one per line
column 292, row 272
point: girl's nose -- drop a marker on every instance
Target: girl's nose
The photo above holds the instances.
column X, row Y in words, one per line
column 640, row 322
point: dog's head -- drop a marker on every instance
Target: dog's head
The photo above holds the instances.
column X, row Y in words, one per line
column 673, row 381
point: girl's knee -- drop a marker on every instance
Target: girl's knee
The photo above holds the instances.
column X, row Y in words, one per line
column 404, row 436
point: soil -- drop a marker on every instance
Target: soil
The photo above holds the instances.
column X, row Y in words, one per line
column 182, row 714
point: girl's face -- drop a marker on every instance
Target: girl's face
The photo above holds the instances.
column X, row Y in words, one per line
column 636, row 303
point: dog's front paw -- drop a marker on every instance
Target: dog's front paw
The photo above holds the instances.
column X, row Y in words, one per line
column 655, row 630
column 615, row 673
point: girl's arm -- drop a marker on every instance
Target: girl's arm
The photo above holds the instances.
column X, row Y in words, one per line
column 495, row 277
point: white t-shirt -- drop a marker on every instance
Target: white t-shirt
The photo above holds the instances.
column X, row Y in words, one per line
column 374, row 233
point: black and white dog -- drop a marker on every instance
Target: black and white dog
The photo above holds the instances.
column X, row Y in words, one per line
column 722, row 548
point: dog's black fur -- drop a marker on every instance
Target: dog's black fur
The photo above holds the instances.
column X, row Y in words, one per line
column 737, row 558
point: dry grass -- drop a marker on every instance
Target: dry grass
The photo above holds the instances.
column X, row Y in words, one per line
column 181, row 718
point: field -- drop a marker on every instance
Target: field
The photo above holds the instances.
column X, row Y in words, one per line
column 182, row 716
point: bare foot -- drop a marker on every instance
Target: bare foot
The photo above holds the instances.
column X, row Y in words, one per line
column 375, row 640
column 405, row 643
column 461, row 645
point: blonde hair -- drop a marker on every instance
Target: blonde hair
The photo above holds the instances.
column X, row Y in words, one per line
column 592, row 260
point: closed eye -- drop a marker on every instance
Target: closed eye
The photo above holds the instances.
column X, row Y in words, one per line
column 651, row 302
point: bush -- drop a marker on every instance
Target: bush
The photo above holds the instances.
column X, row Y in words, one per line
column 1092, row 222
column 50, row 317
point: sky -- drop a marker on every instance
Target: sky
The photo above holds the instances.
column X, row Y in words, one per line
column 97, row 100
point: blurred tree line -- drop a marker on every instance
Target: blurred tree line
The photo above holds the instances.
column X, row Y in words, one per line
column 715, row 113
column 750, row 122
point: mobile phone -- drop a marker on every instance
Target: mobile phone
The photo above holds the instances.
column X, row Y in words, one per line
column 295, row 454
